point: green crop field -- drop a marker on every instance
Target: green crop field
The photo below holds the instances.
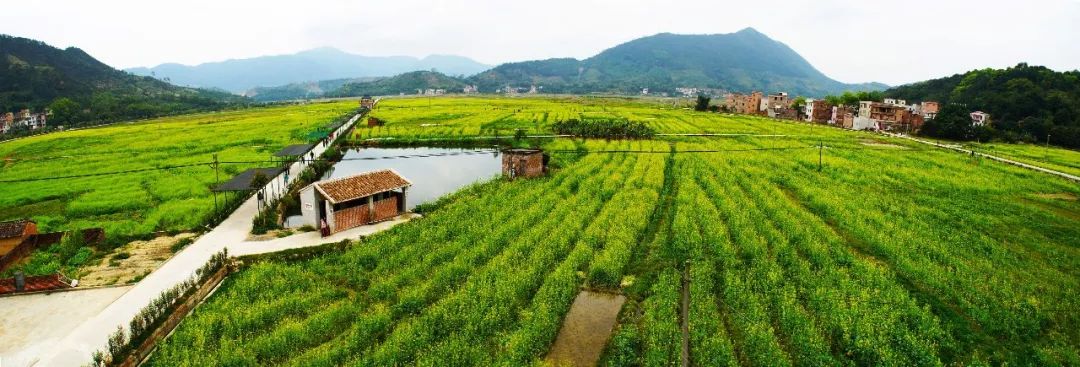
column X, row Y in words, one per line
column 140, row 203
column 890, row 253
column 418, row 118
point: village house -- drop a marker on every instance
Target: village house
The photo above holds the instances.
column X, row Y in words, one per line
column 843, row 116
column 525, row 163
column 343, row 203
column 470, row 89
column 367, row 102
column 929, row 110
column 7, row 122
column 979, row 118
column 13, row 233
column 819, row 111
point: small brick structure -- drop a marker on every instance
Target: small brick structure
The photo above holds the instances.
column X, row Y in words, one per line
column 524, row 163
column 353, row 201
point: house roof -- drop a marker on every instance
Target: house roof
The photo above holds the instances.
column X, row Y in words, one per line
column 35, row 284
column 14, row 228
column 361, row 185
column 242, row 181
column 294, row 150
column 522, row 151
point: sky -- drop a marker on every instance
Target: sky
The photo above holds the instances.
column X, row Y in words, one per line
column 851, row 41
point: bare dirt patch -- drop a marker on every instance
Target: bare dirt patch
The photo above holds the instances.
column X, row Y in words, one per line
column 874, row 143
column 1058, row 196
column 131, row 262
column 270, row 235
column 586, row 330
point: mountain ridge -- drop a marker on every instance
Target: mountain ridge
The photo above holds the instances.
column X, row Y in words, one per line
column 313, row 65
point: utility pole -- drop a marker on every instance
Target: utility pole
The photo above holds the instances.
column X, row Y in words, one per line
column 217, row 180
column 821, row 146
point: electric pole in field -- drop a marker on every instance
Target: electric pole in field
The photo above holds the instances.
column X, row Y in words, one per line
column 217, row 181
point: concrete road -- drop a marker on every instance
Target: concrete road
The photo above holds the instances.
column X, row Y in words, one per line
column 33, row 323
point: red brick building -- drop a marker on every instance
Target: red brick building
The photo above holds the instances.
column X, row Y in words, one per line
column 353, row 201
column 523, row 163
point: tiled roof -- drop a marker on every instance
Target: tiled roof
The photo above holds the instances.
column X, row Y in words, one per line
column 13, row 228
column 361, row 185
column 35, row 284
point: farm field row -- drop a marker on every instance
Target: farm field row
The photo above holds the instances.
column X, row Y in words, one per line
column 891, row 254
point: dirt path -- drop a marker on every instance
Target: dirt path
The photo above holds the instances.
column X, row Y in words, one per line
column 586, row 330
column 994, row 157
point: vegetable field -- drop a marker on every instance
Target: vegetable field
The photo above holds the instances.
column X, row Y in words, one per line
column 152, row 200
column 420, row 118
column 819, row 247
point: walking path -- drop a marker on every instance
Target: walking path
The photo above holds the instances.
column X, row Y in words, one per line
column 92, row 334
column 996, row 158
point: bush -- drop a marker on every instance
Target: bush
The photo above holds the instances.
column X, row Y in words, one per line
column 603, row 128
column 183, row 242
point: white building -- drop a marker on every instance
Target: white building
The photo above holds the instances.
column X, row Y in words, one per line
column 979, row 118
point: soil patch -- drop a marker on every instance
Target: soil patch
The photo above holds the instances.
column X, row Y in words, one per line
column 270, row 235
column 131, row 262
column 586, row 330
column 1059, row 196
column 872, row 143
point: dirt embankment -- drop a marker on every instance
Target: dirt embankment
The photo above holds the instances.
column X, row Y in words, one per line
column 131, row 262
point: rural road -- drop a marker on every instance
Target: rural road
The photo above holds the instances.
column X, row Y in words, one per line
column 92, row 334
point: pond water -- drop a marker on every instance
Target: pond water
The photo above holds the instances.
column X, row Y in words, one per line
column 434, row 172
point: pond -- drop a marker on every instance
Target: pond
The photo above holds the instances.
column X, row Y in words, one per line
column 434, row 172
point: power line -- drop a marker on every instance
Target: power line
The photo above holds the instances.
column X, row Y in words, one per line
column 103, row 173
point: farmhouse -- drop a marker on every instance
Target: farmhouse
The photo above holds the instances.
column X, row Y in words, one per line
column 353, row 201
column 524, row 163
column 367, row 102
column 13, row 233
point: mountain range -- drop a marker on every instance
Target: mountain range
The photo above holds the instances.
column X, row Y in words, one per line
column 242, row 75
column 743, row 61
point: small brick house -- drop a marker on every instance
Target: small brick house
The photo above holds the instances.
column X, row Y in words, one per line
column 13, row 233
column 367, row 102
column 353, row 201
column 526, row 163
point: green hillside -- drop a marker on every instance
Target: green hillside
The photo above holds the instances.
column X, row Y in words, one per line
column 82, row 90
column 742, row 61
column 1025, row 102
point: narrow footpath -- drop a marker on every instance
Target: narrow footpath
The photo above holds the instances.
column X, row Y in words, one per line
column 92, row 334
column 994, row 157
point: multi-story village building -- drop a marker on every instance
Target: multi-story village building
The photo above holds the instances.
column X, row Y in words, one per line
column 893, row 116
column 817, row 110
column 22, row 119
column 747, row 104
column 929, row 110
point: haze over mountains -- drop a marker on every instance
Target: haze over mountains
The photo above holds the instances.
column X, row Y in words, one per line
column 241, row 75
column 740, row 62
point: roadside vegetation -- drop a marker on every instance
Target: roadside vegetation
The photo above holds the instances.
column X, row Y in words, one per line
column 808, row 246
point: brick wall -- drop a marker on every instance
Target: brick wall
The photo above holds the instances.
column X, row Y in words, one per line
column 351, row 217
column 386, row 208
column 534, row 164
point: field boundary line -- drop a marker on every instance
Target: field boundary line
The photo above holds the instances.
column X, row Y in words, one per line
column 994, row 157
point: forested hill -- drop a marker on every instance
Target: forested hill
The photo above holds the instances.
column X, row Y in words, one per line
column 407, row 83
column 743, row 61
column 82, row 90
column 1025, row 102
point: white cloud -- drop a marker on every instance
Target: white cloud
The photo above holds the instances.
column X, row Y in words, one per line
column 852, row 41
